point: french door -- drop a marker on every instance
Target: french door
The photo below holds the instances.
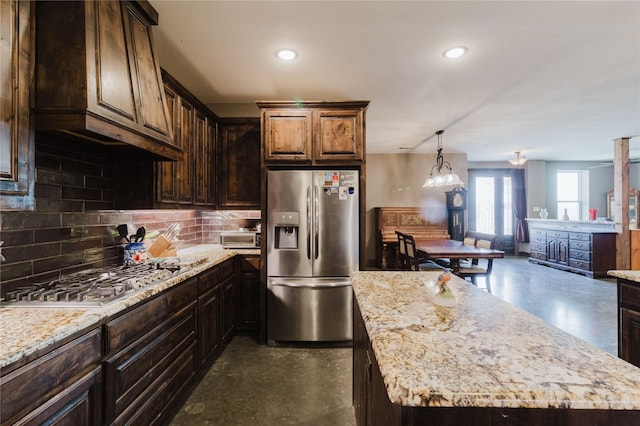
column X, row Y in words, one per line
column 490, row 203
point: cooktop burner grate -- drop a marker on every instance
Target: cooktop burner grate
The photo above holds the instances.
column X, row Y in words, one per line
column 92, row 287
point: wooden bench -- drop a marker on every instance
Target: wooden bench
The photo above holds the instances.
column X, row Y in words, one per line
column 408, row 220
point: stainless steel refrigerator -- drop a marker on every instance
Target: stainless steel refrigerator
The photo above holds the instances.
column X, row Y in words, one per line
column 312, row 241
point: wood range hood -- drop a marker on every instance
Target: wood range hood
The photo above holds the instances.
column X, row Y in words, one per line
column 97, row 76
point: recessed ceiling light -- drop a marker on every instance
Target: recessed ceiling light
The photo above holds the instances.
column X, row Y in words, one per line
column 286, row 54
column 455, row 52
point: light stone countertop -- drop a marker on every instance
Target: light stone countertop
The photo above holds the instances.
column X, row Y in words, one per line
column 25, row 330
column 627, row 275
column 483, row 352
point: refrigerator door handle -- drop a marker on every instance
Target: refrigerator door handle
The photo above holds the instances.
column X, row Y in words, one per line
column 316, row 285
column 308, row 222
column 316, row 225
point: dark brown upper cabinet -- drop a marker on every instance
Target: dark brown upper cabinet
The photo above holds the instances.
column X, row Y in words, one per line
column 190, row 181
column 17, row 169
column 240, row 163
column 98, row 77
column 313, row 132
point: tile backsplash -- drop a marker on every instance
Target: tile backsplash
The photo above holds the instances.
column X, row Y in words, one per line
column 74, row 223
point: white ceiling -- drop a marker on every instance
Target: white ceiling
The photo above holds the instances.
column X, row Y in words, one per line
column 557, row 80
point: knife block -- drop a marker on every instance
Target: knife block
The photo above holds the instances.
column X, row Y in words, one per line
column 159, row 246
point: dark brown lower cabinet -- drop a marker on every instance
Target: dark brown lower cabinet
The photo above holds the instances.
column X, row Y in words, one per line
column 61, row 387
column 373, row 406
column 209, row 341
column 248, row 293
column 151, row 356
column 629, row 321
column 137, row 368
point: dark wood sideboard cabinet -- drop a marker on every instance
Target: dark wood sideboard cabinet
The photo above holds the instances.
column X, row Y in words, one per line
column 629, row 321
column 17, row 153
column 587, row 248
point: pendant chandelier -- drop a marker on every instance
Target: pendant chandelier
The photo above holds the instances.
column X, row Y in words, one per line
column 519, row 160
column 440, row 179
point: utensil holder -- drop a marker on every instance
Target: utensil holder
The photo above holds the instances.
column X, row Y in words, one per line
column 134, row 253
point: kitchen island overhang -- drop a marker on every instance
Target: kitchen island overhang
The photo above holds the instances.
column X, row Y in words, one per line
column 483, row 357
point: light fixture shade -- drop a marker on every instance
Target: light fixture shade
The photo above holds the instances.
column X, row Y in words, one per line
column 439, row 178
column 519, row 160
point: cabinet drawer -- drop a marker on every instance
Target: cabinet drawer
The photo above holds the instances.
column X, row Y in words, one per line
column 208, row 280
column 580, row 245
column 539, row 247
column 557, row 234
column 539, row 255
column 25, row 388
column 538, row 233
column 123, row 330
column 250, row 264
column 132, row 371
column 580, row 264
column 580, row 255
column 537, row 239
column 580, row 236
column 227, row 269
column 629, row 295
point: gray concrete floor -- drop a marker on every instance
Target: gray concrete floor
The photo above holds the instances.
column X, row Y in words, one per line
column 258, row 385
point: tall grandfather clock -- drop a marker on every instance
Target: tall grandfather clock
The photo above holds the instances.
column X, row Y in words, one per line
column 456, row 205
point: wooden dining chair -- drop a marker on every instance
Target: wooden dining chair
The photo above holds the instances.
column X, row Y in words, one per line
column 415, row 262
column 402, row 251
column 475, row 269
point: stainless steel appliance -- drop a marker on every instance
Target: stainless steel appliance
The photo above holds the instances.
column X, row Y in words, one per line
column 312, row 247
column 240, row 239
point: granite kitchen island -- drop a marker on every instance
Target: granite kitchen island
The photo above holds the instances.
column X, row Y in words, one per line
column 482, row 361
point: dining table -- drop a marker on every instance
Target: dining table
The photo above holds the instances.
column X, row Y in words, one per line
column 455, row 251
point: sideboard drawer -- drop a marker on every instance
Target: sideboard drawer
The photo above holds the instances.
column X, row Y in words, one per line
column 580, row 245
column 539, row 247
column 557, row 234
column 537, row 239
column 538, row 255
column 580, row 236
column 580, row 264
column 580, row 255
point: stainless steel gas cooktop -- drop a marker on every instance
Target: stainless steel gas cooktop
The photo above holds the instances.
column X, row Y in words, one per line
column 93, row 287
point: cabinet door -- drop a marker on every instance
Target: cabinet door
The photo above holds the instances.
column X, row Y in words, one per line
column 209, row 337
column 629, row 339
column 202, row 160
column 240, row 158
column 227, row 315
column 563, row 251
column 17, row 167
column 287, row 135
column 552, row 250
column 167, row 191
column 248, row 294
column 338, row 135
column 174, row 178
column 145, row 71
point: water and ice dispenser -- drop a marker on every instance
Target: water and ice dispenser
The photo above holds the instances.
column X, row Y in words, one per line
column 286, row 229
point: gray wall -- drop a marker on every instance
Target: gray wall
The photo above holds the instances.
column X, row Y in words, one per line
column 395, row 180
